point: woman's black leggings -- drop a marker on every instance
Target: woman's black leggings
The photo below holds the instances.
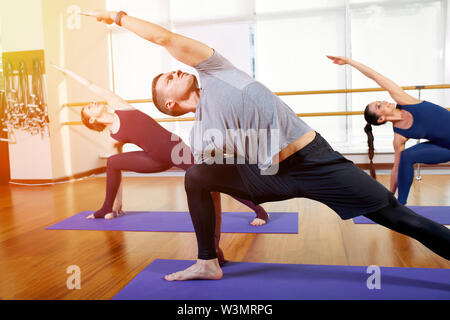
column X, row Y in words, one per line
column 141, row 162
column 200, row 180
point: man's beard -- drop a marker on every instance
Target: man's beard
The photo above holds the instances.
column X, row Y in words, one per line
column 194, row 85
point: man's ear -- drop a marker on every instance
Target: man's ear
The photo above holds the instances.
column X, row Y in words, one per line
column 170, row 104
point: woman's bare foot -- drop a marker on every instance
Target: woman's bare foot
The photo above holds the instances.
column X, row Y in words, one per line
column 107, row 216
column 99, row 214
column 202, row 269
column 261, row 217
column 258, row 222
column 110, row 216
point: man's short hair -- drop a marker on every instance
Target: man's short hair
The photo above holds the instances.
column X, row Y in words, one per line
column 158, row 100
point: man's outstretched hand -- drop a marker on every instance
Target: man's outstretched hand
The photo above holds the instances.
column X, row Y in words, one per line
column 107, row 17
column 339, row 60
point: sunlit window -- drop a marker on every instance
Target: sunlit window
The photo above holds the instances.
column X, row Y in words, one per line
column 283, row 44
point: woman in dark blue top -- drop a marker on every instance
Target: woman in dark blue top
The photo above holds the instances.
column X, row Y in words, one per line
column 411, row 118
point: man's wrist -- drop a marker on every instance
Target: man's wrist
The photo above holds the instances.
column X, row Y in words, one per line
column 118, row 17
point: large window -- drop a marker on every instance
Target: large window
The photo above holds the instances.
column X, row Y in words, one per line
column 283, row 44
column 225, row 26
column 291, row 41
column 403, row 40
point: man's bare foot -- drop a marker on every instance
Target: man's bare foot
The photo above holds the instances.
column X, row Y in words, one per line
column 202, row 269
column 220, row 257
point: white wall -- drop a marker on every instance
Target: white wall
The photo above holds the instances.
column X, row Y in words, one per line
column 17, row 36
column 82, row 46
column 30, row 157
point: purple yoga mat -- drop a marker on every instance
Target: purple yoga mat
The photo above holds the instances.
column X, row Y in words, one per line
column 438, row 214
column 265, row 281
column 234, row 222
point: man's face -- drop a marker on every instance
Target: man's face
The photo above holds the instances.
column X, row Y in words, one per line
column 176, row 85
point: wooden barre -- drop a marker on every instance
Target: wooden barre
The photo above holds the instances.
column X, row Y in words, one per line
column 286, row 93
column 293, row 93
column 311, row 114
column 82, row 104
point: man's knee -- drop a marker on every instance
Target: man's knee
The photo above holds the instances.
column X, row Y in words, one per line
column 195, row 176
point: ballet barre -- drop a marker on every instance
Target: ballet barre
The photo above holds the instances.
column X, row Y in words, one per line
column 285, row 93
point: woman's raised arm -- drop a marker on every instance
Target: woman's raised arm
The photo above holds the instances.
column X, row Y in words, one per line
column 113, row 100
column 396, row 92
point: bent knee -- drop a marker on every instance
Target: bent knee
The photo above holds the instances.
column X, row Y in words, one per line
column 195, row 177
column 407, row 157
column 112, row 161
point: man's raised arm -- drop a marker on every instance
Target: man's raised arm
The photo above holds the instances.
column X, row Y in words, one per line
column 184, row 49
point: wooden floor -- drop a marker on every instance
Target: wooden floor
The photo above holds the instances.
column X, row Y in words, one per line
column 34, row 261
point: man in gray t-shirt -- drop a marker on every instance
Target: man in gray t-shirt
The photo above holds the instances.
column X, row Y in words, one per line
column 235, row 114
column 238, row 115
column 228, row 107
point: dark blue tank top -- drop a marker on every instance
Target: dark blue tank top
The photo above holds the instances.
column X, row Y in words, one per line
column 430, row 122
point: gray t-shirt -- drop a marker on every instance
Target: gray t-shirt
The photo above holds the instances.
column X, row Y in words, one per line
column 239, row 116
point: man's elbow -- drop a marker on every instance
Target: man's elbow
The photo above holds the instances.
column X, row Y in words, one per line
column 162, row 40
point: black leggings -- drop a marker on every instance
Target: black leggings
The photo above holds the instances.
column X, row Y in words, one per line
column 141, row 162
column 200, row 180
